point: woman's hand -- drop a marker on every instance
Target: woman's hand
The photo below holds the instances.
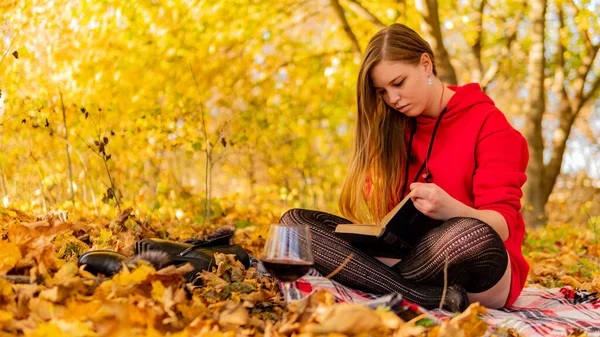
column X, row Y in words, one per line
column 434, row 202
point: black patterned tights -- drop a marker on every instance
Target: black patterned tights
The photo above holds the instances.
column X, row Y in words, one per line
column 475, row 253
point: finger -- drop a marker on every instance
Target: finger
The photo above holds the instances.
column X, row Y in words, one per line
column 422, row 205
column 415, row 185
column 422, row 191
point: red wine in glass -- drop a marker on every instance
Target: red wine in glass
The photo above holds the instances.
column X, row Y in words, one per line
column 287, row 253
column 287, row 270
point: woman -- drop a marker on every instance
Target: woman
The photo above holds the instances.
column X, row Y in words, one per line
column 471, row 178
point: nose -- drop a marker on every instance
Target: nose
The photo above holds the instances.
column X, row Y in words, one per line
column 394, row 98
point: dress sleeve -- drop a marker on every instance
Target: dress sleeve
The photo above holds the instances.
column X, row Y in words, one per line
column 501, row 158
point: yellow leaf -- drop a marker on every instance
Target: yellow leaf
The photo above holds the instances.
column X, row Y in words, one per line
column 67, row 271
column 450, row 329
column 578, row 333
column 571, row 281
column 151, row 332
column 9, row 257
column 544, row 269
column 182, row 333
column 158, row 291
column 79, row 310
column 6, row 288
column 233, row 314
column 5, row 316
column 46, row 310
column 467, row 324
column 569, row 260
column 348, row 318
column 55, row 294
column 139, row 275
column 389, row 319
column 62, row 328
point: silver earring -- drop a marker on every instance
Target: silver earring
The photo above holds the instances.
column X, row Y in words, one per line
column 429, row 81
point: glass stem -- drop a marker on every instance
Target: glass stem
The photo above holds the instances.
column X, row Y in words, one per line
column 286, row 293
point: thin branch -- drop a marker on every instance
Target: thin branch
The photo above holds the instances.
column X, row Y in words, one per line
column 361, row 11
column 445, row 289
column 398, row 13
column 64, row 115
column 584, row 34
column 85, row 171
column 208, row 150
column 11, row 117
column 584, row 69
column 22, row 279
column 595, row 88
column 13, row 41
column 339, row 11
column 559, row 75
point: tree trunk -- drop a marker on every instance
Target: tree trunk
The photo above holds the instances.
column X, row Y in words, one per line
column 534, row 110
column 433, row 34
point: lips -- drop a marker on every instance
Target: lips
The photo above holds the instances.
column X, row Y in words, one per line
column 402, row 107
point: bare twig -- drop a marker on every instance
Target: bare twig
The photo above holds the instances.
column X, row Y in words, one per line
column 445, row 283
column 64, row 115
column 341, row 266
column 18, row 279
column 339, row 11
column 13, row 41
column 85, row 171
column 363, row 12
column 22, row 279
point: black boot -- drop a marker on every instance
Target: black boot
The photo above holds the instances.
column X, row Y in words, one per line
column 161, row 253
column 102, row 262
column 221, row 237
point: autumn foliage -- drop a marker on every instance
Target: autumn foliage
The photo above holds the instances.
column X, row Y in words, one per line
column 43, row 293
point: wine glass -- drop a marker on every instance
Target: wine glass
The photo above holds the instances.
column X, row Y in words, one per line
column 287, row 253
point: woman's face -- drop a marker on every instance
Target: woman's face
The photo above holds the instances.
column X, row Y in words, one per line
column 403, row 86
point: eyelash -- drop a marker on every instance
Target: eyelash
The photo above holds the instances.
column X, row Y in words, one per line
column 382, row 92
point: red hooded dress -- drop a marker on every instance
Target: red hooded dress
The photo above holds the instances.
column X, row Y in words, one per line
column 479, row 159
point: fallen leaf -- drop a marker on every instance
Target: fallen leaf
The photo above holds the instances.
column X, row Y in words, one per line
column 467, row 324
column 137, row 276
column 347, row 318
column 569, row 259
column 577, row 333
column 9, row 257
column 54, row 294
column 233, row 314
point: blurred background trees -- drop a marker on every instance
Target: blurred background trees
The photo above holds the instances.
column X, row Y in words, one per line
column 161, row 105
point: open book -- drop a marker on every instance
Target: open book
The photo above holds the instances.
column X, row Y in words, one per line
column 395, row 236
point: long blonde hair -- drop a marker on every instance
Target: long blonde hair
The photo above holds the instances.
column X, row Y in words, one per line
column 379, row 151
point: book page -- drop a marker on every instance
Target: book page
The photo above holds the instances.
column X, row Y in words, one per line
column 388, row 261
column 395, row 210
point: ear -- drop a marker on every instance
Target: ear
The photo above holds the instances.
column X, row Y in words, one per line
column 426, row 63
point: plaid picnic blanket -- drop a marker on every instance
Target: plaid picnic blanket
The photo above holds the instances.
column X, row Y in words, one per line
column 537, row 312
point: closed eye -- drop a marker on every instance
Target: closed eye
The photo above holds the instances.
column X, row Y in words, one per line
column 397, row 84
